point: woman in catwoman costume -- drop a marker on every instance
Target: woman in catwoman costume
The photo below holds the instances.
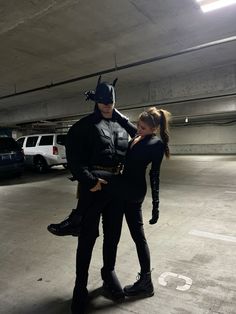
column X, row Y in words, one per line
column 144, row 149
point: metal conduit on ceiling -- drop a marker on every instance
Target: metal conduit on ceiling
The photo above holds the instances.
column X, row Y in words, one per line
column 126, row 66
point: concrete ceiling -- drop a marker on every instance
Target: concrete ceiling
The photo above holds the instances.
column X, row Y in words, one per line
column 48, row 41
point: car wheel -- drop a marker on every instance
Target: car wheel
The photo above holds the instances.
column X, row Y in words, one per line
column 40, row 165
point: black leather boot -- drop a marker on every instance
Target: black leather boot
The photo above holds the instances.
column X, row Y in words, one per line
column 69, row 226
column 111, row 285
column 143, row 287
column 79, row 301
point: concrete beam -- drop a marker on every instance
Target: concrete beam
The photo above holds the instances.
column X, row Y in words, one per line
column 218, row 81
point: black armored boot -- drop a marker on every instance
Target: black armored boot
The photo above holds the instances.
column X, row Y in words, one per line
column 69, row 226
column 143, row 287
column 111, row 285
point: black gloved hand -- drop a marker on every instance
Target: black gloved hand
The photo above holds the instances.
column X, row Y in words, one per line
column 155, row 214
column 117, row 115
column 129, row 127
column 154, row 181
column 90, row 95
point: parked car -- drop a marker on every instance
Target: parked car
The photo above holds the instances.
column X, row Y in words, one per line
column 44, row 150
column 11, row 157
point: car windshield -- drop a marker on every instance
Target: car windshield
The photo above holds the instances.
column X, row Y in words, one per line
column 61, row 139
column 8, row 144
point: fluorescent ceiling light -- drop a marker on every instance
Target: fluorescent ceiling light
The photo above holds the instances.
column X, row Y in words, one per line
column 210, row 5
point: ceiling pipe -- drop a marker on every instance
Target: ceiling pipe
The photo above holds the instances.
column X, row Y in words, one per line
column 125, row 66
column 173, row 102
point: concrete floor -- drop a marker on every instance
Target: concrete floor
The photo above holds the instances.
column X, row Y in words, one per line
column 194, row 238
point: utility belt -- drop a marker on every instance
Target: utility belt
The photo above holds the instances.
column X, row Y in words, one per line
column 114, row 170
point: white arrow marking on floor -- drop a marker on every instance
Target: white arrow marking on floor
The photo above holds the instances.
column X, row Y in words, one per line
column 188, row 281
column 212, row 235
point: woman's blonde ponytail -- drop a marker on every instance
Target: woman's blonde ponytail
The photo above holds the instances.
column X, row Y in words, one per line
column 164, row 130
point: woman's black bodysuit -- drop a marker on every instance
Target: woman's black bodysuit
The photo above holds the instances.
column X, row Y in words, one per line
column 131, row 188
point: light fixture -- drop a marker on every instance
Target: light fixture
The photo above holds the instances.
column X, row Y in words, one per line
column 186, row 120
column 210, row 5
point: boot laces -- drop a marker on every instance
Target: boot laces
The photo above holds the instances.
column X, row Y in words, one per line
column 138, row 278
column 67, row 220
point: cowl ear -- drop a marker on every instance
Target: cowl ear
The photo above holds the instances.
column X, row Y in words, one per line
column 99, row 80
column 114, row 82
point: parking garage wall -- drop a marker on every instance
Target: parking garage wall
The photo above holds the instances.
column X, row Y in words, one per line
column 203, row 139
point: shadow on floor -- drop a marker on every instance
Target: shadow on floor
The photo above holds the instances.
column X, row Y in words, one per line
column 58, row 306
column 108, row 304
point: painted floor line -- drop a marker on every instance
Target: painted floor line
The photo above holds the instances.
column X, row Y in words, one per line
column 230, row 192
column 212, row 235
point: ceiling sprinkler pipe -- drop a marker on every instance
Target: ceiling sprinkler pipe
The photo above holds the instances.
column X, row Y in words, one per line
column 126, row 66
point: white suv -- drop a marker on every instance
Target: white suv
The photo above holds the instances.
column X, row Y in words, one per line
column 44, row 150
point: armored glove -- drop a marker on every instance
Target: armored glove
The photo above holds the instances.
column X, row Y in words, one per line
column 124, row 122
column 119, row 117
column 90, row 95
column 154, row 180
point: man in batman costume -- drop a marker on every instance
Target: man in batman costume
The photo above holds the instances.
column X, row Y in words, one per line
column 95, row 144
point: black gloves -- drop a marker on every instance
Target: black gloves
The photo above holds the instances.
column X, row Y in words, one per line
column 123, row 121
column 155, row 214
column 90, row 95
column 154, row 181
column 119, row 117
